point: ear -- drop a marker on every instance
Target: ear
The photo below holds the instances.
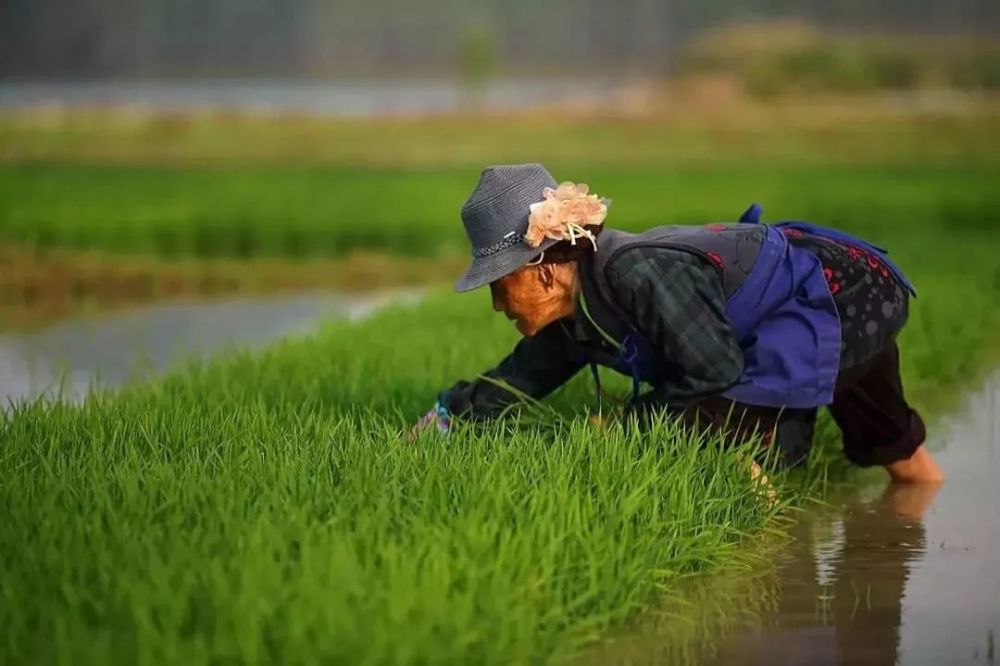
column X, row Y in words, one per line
column 547, row 275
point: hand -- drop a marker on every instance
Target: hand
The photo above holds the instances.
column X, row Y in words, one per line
column 764, row 486
column 437, row 417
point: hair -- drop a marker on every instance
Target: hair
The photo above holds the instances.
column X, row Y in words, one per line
column 565, row 252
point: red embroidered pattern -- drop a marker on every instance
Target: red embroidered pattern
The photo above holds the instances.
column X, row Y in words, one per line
column 873, row 262
column 716, row 259
column 715, row 227
column 833, row 286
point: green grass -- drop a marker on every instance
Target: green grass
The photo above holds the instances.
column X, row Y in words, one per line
column 261, row 509
column 264, row 510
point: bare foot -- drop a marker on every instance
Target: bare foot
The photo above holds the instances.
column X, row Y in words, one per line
column 910, row 500
column 918, row 468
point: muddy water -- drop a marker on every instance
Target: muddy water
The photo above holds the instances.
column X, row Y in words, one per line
column 895, row 574
column 885, row 574
column 351, row 98
column 68, row 359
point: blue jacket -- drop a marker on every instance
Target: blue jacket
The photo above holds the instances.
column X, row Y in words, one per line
column 781, row 310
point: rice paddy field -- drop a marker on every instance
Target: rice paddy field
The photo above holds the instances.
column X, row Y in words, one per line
column 264, row 508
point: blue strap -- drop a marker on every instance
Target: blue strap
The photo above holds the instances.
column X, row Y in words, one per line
column 630, row 356
column 752, row 214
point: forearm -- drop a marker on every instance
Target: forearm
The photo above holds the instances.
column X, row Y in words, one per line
column 537, row 366
column 477, row 399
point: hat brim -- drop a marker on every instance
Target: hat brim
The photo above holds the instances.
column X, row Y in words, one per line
column 485, row 270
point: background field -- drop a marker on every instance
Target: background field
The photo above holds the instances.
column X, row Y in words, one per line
column 314, row 212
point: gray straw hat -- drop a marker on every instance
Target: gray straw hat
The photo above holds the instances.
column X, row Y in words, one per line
column 496, row 219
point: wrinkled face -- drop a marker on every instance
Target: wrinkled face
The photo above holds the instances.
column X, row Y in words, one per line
column 535, row 296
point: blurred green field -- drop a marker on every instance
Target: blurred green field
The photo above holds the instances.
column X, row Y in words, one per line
column 309, row 212
column 204, row 186
column 671, row 128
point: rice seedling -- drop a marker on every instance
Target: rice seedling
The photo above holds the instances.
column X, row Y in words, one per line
column 271, row 533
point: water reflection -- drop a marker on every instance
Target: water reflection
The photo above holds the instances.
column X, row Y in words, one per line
column 909, row 576
column 841, row 585
column 903, row 574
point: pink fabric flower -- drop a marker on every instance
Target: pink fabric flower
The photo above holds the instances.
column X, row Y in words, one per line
column 544, row 222
column 564, row 213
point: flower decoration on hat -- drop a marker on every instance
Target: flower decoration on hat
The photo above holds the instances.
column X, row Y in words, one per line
column 564, row 214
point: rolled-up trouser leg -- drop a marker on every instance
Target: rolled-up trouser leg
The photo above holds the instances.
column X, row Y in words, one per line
column 879, row 427
column 793, row 435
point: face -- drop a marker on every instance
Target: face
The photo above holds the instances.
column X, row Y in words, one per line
column 535, row 296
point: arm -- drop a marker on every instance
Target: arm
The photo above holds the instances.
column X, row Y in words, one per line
column 537, row 366
column 676, row 301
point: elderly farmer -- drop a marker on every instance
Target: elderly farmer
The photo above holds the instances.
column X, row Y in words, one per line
column 741, row 326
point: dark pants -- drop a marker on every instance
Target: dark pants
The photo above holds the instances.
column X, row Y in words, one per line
column 869, row 406
column 878, row 425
